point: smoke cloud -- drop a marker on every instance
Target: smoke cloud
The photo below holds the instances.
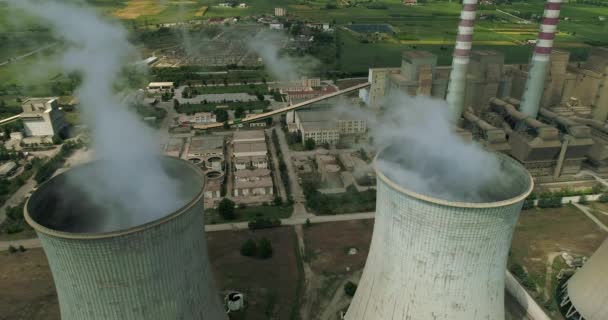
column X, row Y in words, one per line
column 421, row 151
column 268, row 45
column 130, row 176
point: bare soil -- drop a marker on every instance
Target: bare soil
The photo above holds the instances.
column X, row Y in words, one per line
column 28, row 291
column 269, row 285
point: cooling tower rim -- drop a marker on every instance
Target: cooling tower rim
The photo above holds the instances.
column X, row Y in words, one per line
column 459, row 204
column 112, row 234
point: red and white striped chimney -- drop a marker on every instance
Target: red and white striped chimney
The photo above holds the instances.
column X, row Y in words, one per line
column 462, row 53
column 539, row 65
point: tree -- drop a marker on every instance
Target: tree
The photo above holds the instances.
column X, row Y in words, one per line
column 309, row 144
column 175, row 104
column 226, row 209
column 226, row 125
column 308, row 224
column 2, row 104
column 260, row 96
column 583, row 200
column 249, row 248
column 277, row 201
column 264, row 249
column 239, row 112
column 221, row 115
column 603, row 198
column 350, row 288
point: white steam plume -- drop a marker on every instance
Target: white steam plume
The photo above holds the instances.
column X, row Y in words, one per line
column 424, row 154
column 268, row 45
column 130, row 177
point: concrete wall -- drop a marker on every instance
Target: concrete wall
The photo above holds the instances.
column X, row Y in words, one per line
column 533, row 310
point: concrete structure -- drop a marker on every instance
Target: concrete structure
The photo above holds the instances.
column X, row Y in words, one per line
column 249, row 136
column 586, row 293
column 541, row 59
column 106, row 267
column 250, row 149
column 159, row 87
column 256, row 182
column 433, row 259
column 324, row 125
column 207, row 151
column 197, row 118
column 464, row 42
column 484, row 79
column 7, row 169
column 41, row 117
column 280, row 12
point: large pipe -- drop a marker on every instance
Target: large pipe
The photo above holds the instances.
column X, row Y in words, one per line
column 462, row 53
column 541, row 59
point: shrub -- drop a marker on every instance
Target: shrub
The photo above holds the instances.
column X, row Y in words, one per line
column 308, row 224
column 226, row 209
column 22, row 249
column 12, row 249
column 550, row 203
column 249, row 248
column 528, row 204
column 350, row 288
column 264, row 249
column 264, row 223
column 603, row 198
column 583, row 200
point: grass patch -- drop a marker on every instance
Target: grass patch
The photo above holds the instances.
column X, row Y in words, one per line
column 249, row 213
column 252, row 89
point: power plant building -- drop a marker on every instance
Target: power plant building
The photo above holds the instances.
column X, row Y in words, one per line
column 107, row 267
column 42, row 117
column 436, row 259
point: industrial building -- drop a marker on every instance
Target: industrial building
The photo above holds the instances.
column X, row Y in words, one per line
column 549, row 115
column 324, row 125
column 257, row 182
column 207, row 151
column 436, row 259
column 197, row 118
column 249, row 150
column 42, row 117
column 159, row 87
column 106, row 267
column 585, row 294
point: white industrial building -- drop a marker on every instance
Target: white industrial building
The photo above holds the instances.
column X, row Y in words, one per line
column 327, row 126
column 250, row 150
column 197, row 118
column 436, row 259
column 159, row 87
column 256, row 182
column 42, row 117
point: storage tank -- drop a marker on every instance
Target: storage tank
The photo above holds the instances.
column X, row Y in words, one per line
column 437, row 259
column 104, row 269
column 587, row 291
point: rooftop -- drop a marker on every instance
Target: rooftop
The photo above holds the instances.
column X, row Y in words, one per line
column 199, row 144
column 251, row 173
column 327, row 125
column 160, row 84
column 262, row 182
column 249, row 135
column 241, row 147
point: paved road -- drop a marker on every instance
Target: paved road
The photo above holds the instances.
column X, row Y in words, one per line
column 35, row 243
column 275, row 165
column 296, row 190
column 27, row 54
column 585, row 210
column 595, row 176
column 17, row 197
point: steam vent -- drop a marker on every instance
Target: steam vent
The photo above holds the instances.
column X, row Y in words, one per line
column 158, row 270
column 434, row 259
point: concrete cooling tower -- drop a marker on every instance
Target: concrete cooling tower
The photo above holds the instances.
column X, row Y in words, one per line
column 586, row 295
column 434, row 259
column 157, row 270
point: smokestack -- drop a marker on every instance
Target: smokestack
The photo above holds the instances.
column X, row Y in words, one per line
column 540, row 60
column 154, row 270
column 462, row 52
column 432, row 258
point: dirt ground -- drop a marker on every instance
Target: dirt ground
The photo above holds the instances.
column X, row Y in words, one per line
column 327, row 245
column 136, row 8
column 600, row 210
column 28, row 292
column 541, row 232
column 269, row 285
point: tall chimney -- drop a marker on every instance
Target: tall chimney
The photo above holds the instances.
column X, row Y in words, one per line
column 462, row 52
column 539, row 66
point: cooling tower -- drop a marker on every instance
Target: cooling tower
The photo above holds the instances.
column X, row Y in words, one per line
column 433, row 259
column 587, row 290
column 460, row 63
column 157, row 270
column 539, row 66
